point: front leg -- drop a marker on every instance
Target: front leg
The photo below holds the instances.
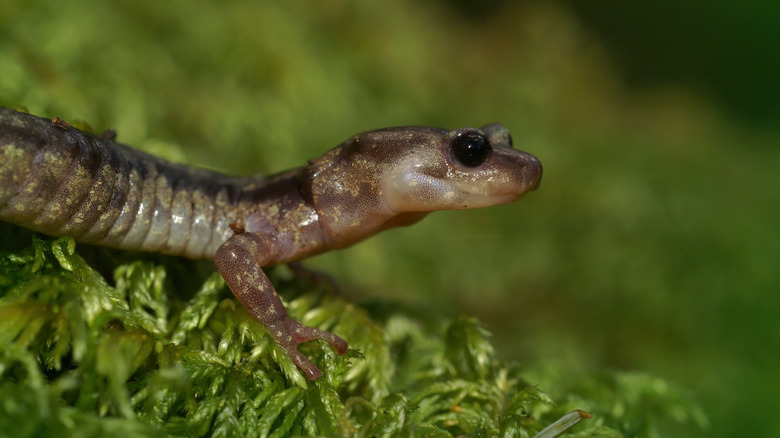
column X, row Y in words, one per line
column 240, row 260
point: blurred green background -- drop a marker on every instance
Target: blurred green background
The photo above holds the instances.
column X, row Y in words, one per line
column 653, row 243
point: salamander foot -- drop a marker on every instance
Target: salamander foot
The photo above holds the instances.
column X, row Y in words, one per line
column 290, row 333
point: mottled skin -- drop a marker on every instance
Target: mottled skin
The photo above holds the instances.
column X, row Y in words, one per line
column 60, row 181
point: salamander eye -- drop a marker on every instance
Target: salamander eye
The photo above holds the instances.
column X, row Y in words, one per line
column 471, row 149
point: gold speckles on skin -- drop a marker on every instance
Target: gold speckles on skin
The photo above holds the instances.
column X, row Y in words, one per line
column 10, row 152
column 50, row 158
column 335, row 213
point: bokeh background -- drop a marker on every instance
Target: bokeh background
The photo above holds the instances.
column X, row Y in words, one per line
column 653, row 243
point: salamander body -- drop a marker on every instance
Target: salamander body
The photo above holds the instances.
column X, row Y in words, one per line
column 59, row 181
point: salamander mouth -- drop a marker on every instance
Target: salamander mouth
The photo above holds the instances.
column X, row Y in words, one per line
column 469, row 198
column 502, row 188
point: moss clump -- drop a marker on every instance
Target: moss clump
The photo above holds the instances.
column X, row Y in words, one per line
column 136, row 356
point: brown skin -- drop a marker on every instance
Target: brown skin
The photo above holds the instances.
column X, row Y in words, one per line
column 58, row 180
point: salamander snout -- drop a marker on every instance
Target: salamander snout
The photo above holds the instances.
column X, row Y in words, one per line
column 533, row 172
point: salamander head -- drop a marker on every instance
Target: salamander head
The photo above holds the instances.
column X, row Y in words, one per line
column 466, row 168
column 395, row 176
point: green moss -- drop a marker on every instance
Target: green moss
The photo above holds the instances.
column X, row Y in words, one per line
column 134, row 355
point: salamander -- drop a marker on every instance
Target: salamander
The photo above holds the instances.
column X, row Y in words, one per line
column 58, row 180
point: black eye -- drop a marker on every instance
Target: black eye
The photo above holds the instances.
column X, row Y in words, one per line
column 471, row 149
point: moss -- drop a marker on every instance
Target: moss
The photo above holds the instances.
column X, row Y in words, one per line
column 134, row 355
